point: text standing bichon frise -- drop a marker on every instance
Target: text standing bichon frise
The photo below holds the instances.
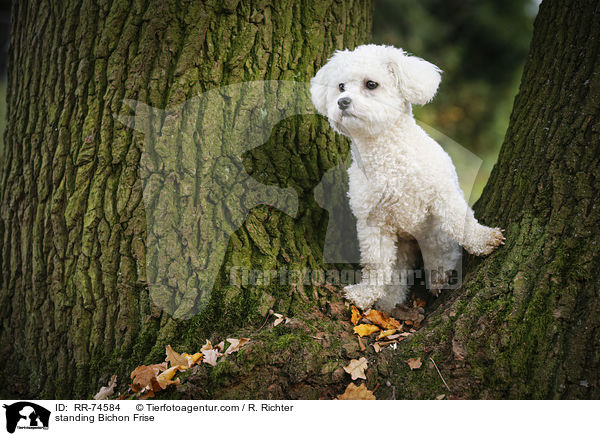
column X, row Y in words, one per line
column 402, row 185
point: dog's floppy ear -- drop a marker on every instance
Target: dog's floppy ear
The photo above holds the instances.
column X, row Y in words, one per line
column 417, row 79
column 319, row 85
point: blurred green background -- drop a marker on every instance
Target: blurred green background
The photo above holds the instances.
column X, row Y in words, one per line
column 481, row 46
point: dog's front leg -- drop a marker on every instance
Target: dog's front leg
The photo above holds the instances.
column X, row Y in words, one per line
column 378, row 256
column 458, row 221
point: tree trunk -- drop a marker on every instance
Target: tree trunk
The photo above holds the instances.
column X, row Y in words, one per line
column 80, row 296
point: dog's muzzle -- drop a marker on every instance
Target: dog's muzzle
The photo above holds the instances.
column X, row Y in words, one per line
column 344, row 102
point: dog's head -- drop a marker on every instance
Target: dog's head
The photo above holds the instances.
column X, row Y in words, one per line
column 366, row 89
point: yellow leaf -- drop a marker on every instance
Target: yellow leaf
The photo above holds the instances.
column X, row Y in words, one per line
column 356, row 368
column 356, row 316
column 414, row 363
column 382, row 319
column 365, row 329
column 386, row 333
column 165, row 378
column 354, row 392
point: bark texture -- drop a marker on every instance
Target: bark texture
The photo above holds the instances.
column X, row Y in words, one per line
column 75, row 304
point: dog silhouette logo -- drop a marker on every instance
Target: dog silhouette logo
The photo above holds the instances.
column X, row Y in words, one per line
column 26, row 415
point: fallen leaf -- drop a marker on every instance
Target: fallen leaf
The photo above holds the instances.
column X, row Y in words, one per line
column 144, row 376
column 377, row 347
column 236, row 344
column 382, row 319
column 386, row 333
column 280, row 319
column 211, row 356
column 419, row 303
column 414, row 363
column 165, row 378
column 354, row 392
column 220, row 346
column 356, row 368
column 107, row 391
column 176, row 359
column 193, row 359
column 361, row 344
column 365, row 329
column 356, row 316
column 440, row 397
column 207, row 346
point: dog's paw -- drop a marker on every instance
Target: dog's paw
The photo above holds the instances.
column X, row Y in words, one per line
column 363, row 296
column 490, row 239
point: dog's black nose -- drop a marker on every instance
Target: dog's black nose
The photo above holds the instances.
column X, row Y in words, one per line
column 344, row 102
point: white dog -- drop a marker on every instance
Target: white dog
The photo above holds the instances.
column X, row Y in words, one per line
column 403, row 185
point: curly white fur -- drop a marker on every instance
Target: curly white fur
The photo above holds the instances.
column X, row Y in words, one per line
column 403, row 185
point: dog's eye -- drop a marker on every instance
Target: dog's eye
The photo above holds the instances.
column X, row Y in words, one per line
column 371, row 85
column 341, row 86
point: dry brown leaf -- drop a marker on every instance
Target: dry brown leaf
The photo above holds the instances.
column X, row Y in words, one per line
column 419, row 303
column 365, row 329
column 107, row 391
column 414, row 363
column 354, row 392
column 144, row 376
column 377, row 347
column 440, row 397
column 382, row 319
column 386, row 333
column 356, row 368
column 356, row 316
column 175, row 359
column 236, row 344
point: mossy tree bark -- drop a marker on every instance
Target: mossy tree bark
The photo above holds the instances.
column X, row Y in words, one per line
column 74, row 304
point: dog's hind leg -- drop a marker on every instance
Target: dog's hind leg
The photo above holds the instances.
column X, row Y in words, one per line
column 441, row 257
